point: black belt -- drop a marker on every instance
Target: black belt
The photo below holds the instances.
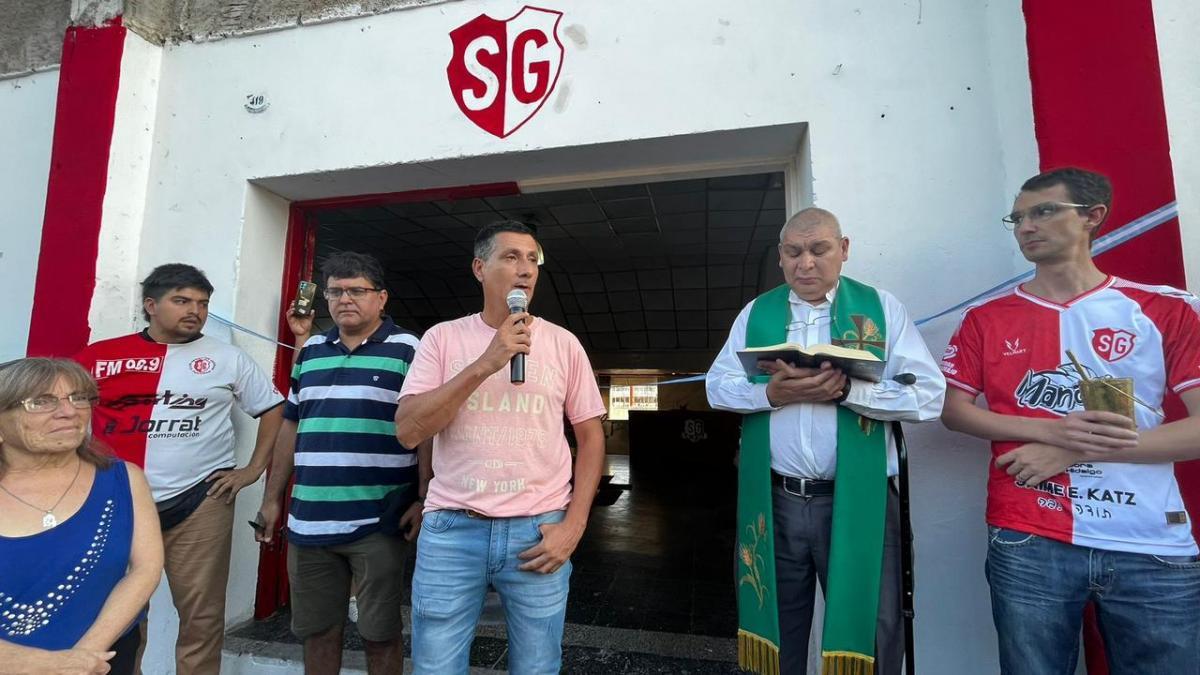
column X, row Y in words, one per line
column 802, row 487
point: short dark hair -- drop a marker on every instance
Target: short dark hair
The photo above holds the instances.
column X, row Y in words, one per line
column 1083, row 187
column 485, row 240
column 350, row 264
column 166, row 278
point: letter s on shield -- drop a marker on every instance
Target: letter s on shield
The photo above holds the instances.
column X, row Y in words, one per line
column 1113, row 344
column 502, row 72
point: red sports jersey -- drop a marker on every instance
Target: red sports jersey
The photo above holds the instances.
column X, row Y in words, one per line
column 166, row 407
column 1012, row 349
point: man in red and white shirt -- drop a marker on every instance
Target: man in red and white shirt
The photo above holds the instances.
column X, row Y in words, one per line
column 166, row 399
column 1082, row 507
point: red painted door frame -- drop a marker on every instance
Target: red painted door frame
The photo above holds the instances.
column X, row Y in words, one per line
column 1098, row 104
column 299, row 257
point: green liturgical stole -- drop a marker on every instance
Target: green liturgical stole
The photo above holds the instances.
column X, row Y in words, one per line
column 859, row 503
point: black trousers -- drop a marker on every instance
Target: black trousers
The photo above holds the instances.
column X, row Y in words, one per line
column 802, row 538
column 126, row 647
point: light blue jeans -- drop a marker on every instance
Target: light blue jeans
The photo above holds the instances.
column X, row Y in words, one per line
column 458, row 557
column 1148, row 606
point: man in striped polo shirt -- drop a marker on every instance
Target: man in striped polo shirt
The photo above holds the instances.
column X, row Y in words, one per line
column 357, row 488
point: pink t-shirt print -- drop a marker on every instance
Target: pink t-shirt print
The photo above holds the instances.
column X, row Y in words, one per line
column 504, row 454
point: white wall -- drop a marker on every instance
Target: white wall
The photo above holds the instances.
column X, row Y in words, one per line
column 125, row 197
column 252, row 301
column 919, row 131
column 1175, row 23
column 254, row 305
column 26, row 133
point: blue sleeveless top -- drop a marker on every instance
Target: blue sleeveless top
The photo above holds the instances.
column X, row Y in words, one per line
column 53, row 583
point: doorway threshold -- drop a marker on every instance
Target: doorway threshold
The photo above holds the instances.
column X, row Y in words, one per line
column 268, row 647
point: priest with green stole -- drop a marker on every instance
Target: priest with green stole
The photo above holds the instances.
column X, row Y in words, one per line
column 816, row 501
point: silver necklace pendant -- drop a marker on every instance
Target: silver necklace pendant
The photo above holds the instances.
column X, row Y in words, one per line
column 49, row 521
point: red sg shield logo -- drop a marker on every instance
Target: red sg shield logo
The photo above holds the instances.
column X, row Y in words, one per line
column 1112, row 344
column 502, row 72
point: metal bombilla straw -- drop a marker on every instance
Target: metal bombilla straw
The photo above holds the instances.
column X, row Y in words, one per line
column 1083, row 376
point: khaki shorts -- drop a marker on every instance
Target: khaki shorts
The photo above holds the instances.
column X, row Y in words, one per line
column 321, row 578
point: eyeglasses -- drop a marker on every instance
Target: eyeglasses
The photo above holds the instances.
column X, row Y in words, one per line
column 1038, row 213
column 355, row 292
column 48, row 403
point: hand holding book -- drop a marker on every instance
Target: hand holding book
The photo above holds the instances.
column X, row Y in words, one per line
column 856, row 363
column 791, row 384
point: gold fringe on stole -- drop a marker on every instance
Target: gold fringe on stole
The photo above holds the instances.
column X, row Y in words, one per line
column 847, row 663
column 757, row 654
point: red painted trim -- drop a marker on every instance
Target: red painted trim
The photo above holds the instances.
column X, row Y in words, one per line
column 83, row 126
column 299, row 253
column 427, row 195
column 273, row 589
column 1098, row 104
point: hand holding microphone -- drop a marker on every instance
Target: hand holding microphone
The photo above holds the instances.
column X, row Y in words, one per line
column 517, row 301
column 511, row 341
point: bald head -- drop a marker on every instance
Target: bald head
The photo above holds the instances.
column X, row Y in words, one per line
column 811, row 252
column 809, row 219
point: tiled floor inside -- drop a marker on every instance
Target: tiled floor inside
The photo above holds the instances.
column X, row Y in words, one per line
column 652, row 590
column 660, row 558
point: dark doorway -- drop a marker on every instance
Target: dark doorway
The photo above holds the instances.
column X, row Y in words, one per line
column 649, row 276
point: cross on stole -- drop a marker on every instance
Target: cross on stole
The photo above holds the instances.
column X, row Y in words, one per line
column 861, row 337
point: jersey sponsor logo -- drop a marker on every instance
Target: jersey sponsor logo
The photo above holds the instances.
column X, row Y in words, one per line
column 1113, row 344
column 947, row 359
column 202, row 365
column 176, row 428
column 168, row 398
column 1091, row 494
column 1054, row 390
column 1088, row 470
column 109, row 367
column 1014, row 348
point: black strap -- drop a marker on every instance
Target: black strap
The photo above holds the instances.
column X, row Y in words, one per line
column 907, row 581
column 174, row 510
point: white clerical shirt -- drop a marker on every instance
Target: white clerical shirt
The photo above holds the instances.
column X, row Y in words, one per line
column 804, row 435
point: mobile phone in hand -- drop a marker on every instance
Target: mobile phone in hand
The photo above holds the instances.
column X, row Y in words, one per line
column 305, row 294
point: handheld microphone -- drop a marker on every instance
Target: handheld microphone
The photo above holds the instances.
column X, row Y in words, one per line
column 517, row 302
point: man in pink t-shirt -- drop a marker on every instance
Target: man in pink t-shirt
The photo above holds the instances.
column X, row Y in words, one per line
column 500, row 510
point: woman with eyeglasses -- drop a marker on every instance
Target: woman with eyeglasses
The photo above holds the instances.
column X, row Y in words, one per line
column 80, row 547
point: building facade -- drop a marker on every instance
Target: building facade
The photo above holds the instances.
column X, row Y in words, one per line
column 224, row 135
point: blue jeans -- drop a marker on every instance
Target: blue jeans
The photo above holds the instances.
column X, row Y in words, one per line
column 458, row 557
column 1148, row 606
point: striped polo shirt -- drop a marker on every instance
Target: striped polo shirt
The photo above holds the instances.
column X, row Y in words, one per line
column 347, row 457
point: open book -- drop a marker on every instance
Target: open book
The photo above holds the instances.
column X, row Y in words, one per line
column 856, row 363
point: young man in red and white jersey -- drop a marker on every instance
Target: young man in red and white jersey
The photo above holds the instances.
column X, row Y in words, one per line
column 166, row 399
column 1082, row 507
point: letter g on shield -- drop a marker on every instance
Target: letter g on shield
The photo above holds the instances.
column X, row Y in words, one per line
column 1113, row 344
column 502, row 72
